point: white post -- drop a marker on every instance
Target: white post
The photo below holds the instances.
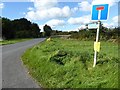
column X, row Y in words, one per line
column 97, row 37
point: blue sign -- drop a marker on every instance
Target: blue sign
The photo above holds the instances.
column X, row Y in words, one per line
column 100, row 12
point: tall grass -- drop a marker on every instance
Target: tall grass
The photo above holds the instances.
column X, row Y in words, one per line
column 61, row 63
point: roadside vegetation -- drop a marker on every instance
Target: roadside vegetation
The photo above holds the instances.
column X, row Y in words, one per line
column 5, row 42
column 67, row 63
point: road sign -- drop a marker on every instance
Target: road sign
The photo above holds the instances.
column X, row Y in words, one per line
column 92, row 26
column 100, row 12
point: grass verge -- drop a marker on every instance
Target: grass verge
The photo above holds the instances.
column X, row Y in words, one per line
column 61, row 63
column 5, row 42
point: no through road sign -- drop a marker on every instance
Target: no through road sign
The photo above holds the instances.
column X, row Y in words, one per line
column 100, row 12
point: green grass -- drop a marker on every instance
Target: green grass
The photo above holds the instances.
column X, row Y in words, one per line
column 5, row 42
column 61, row 63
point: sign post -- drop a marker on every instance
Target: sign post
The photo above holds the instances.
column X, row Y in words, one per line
column 99, row 12
column 96, row 44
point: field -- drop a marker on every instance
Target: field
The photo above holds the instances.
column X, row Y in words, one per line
column 64, row 63
column 5, row 42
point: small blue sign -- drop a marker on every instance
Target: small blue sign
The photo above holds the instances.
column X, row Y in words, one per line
column 100, row 12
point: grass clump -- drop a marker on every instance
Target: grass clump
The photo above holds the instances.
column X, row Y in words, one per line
column 62, row 63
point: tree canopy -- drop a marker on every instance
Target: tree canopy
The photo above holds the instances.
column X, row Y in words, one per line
column 19, row 28
column 47, row 29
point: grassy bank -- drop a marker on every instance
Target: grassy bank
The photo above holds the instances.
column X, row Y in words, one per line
column 61, row 63
column 5, row 42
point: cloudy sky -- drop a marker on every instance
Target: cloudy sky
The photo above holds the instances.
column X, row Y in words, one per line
column 59, row 14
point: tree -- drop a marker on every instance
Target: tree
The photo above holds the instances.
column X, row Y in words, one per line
column 47, row 29
column 19, row 28
column 7, row 31
column 22, row 28
column 35, row 31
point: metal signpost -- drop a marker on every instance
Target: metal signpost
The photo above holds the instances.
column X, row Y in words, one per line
column 99, row 12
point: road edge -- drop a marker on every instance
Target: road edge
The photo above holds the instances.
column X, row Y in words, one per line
column 27, row 70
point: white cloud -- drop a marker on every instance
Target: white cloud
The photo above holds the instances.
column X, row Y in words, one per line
column 55, row 22
column 82, row 27
column 31, row 0
column 47, row 9
column 44, row 4
column 111, row 25
column 1, row 5
column 75, row 29
column 114, row 22
column 84, row 6
column 79, row 28
column 110, row 2
column 116, row 19
column 41, row 27
column 75, row 9
column 105, row 24
column 80, row 20
column 30, row 9
column 31, row 15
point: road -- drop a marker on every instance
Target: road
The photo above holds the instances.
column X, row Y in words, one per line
column 14, row 74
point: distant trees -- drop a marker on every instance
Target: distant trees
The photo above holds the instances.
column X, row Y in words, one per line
column 19, row 28
column 56, row 32
column 105, row 34
column 48, row 30
column 22, row 28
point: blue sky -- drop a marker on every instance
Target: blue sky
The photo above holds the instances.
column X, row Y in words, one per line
column 65, row 16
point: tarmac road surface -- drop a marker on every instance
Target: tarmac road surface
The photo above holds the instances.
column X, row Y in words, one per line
column 14, row 74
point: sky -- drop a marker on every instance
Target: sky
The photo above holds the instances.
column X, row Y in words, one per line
column 65, row 15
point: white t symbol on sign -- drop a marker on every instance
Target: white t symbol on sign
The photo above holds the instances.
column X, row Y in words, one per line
column 100, row 8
